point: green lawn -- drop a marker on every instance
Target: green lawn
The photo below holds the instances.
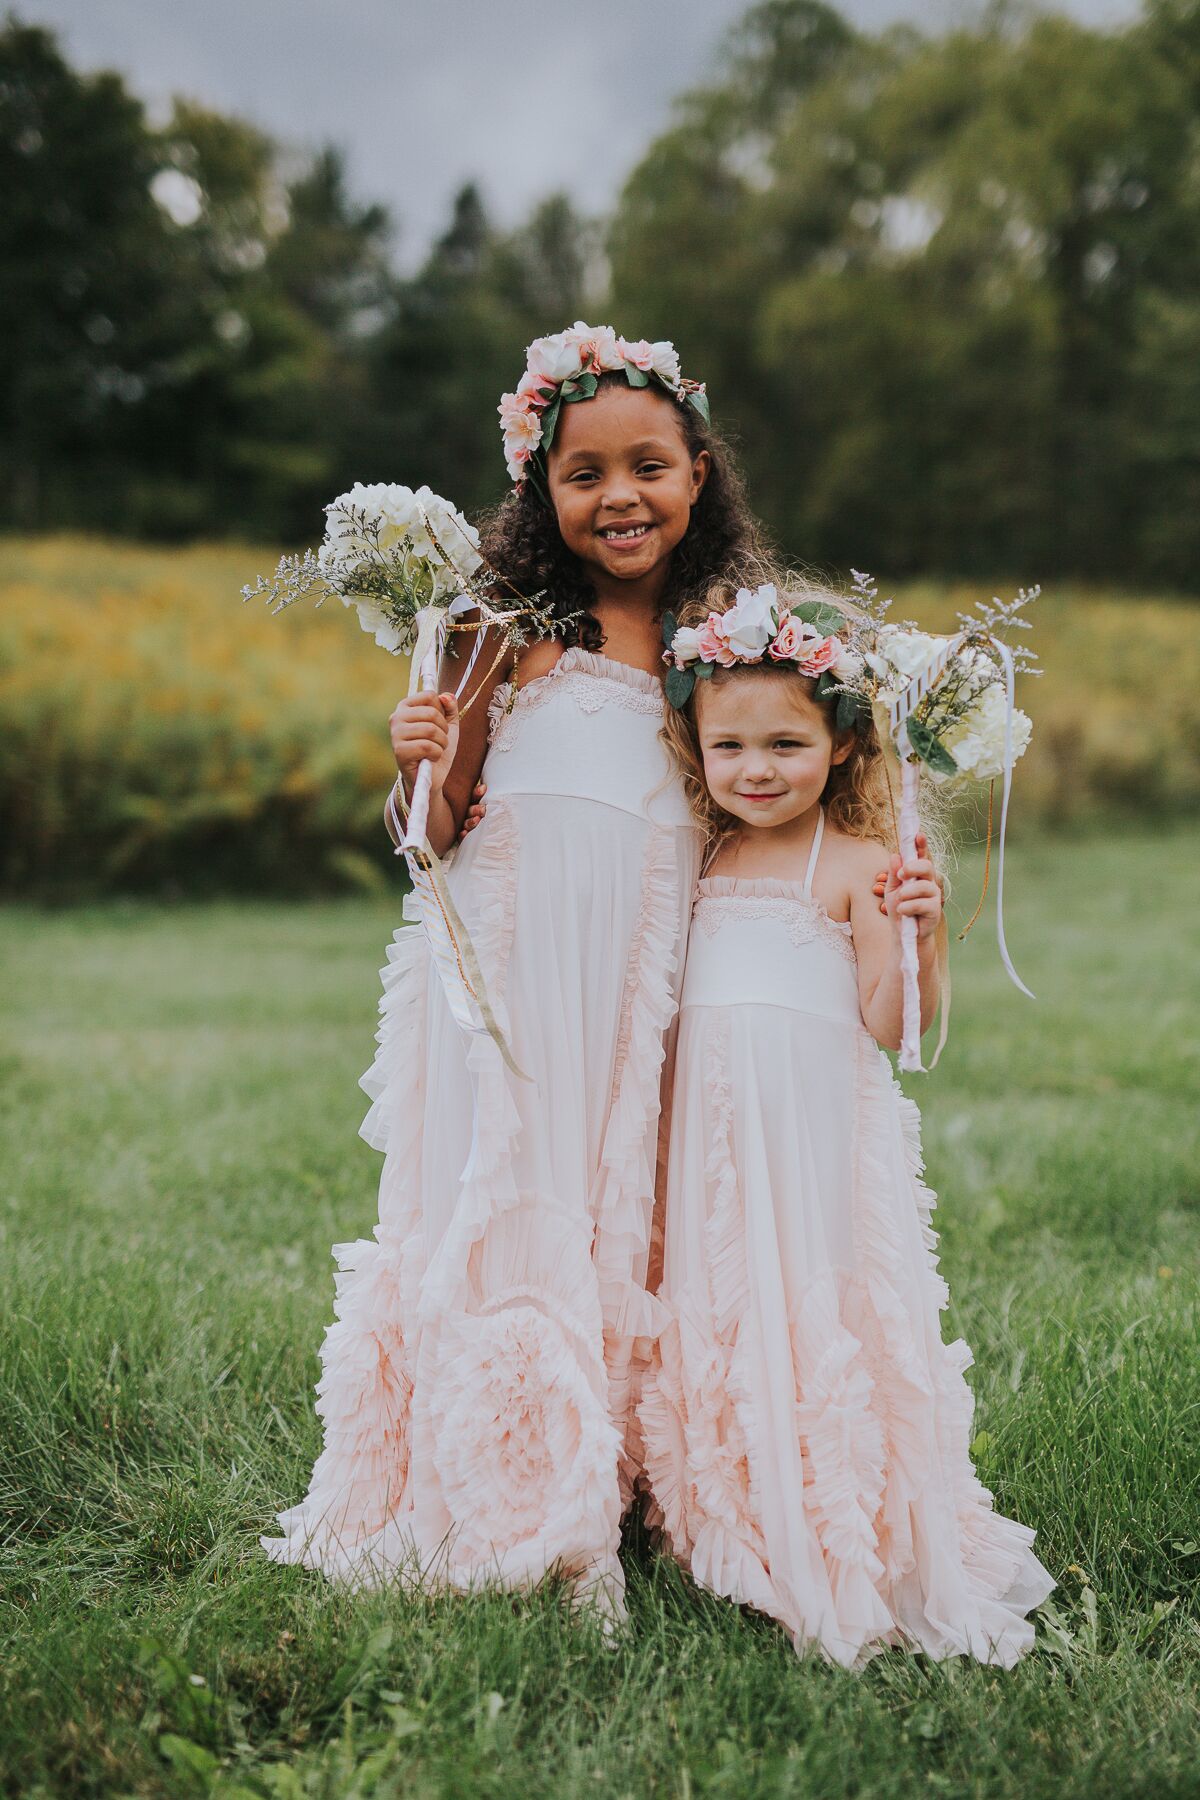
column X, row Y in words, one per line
column 180, row 1115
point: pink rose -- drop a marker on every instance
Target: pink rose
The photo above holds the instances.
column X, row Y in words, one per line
column 711, row 643
column 793, row 639
column 640, row 354
column 821, row 657
column 531, row 388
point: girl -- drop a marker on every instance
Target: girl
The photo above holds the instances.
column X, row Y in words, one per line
column 477, row 1389
column 806, row 1428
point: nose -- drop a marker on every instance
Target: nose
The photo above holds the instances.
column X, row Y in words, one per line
column 759, row 768
column 620, row 494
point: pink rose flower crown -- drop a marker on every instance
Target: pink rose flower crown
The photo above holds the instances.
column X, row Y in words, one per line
column 567, row 367
column 810, row 635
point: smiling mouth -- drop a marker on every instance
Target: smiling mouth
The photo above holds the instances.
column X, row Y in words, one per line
column 624, row 534
column 778, row 796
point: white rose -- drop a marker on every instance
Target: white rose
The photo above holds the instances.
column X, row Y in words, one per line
column 685, row 645
column 555, row 357
column 751, row 622
column 664, row 360
column 909, row 651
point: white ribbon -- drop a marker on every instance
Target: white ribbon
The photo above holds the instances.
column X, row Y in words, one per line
column 1006, row 658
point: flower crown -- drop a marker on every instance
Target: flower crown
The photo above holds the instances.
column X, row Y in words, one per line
column 568, row 367
column 805, row 634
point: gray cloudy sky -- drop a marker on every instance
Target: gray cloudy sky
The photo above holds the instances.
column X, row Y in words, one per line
column 425, row 94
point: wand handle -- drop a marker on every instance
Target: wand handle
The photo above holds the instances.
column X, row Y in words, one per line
column 910, row 1035
column 418, row 811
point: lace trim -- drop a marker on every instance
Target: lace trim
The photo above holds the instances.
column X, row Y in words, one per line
column 574, row 673
column 802, row 916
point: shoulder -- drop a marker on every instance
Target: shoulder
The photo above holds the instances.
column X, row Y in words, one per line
column 859, row 858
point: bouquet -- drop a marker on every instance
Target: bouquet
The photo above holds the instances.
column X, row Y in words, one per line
column 947, row 704
column 409, row 564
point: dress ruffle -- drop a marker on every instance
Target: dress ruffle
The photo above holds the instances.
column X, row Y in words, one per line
column 896, row 1541
column 478, row 1386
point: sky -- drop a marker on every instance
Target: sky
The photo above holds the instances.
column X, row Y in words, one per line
column 525, row 98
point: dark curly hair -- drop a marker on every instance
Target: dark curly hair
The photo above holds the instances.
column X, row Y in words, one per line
column 520, row 539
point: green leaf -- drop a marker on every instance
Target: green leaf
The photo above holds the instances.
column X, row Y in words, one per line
column 929, row 749
column 703, row 671
column 826, row 682
column 549, row 425
column 847, row 712
column 636, row 377
column 680, row 683
column 700, row 402
column 670, row 625
column 820, row 614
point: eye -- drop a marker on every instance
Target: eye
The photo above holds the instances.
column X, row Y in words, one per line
column 583, row 475
column 651, row 468
column 726, row 744
column 789, row 743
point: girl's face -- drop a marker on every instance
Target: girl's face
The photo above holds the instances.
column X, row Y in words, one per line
column 623, row 482
column 766, row 747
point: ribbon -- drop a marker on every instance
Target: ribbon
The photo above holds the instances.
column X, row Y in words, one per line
column 1005, row 655
column 910, row 1031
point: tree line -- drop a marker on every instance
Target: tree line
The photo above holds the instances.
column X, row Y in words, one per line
column 944, row 290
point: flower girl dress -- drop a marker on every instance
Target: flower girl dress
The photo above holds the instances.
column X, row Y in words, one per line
column 478, row 1386
column 806, row 1428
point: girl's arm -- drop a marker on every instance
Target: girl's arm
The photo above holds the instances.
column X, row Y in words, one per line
column 429, row 727
column 913, row 891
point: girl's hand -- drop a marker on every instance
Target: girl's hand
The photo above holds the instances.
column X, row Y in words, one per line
column 881, row 886
column 912, row 890
column 477, row 810
column 425, row 729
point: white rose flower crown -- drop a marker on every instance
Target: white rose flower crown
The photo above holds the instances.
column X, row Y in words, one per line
column 946, row 703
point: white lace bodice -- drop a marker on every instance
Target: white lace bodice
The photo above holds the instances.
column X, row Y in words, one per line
column 759, row 941
column 589, row 728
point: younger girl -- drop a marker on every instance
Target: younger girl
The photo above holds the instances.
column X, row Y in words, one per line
column 806, row 1428
column 477, row 1389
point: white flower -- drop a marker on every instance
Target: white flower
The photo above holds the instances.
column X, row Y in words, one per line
column 665, row 361
column 372, row 618
column 751, row 622
column 976, row 741
column 596, row 346
column 908, row 652
column 555, row 357
column 849, row 665
column 685, row 645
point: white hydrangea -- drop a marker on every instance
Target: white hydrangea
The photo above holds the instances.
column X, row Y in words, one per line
column 401, row 520
column 905, row 653
column 976, row 741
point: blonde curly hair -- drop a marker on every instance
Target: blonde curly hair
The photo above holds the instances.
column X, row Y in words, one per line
column 859, row 798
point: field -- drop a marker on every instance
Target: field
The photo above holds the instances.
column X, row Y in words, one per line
column 161, row 737
column 180, row 1110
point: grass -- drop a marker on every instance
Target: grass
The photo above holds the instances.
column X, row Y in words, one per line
column 180, row 1115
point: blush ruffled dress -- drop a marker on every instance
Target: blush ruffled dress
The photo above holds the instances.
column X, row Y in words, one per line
column 806, row 1428
column 478, row 1386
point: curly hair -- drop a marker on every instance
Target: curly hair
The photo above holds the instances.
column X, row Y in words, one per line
column 858, row 796
column 520, row 538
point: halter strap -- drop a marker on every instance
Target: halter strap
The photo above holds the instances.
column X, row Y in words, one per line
column 813, row 854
